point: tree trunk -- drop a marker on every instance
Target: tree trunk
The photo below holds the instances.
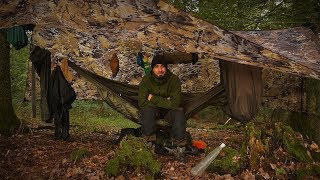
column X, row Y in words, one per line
column 8, row 119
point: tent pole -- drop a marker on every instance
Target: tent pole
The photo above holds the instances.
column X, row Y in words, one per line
column 33, row 91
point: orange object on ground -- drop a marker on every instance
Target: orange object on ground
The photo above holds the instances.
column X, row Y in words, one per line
column 199, row 144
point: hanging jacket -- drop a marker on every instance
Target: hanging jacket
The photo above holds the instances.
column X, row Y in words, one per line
column 61, row 93
column 166, row 91
column 17, row 37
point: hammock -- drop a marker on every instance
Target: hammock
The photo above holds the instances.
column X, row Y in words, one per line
column 124, row 97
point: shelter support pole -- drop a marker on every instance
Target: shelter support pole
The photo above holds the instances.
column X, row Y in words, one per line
column 33, row 91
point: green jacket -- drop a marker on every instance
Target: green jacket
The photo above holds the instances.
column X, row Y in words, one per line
column 166, row 91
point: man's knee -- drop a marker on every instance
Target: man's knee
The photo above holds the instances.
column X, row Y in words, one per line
column 178, row 114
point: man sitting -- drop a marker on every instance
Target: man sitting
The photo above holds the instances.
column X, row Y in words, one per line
column 160, row 97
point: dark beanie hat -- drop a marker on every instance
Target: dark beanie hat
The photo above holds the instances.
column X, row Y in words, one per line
column 158, row 59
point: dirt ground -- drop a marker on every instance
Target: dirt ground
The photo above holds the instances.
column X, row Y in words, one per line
column 37, row 155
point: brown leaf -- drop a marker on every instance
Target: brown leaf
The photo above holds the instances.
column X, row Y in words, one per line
column 264, row 174
column 114, row 65
column 314, row 147
column 273, row 166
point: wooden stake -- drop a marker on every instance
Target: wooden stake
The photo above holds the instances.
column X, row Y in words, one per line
column 33, row 91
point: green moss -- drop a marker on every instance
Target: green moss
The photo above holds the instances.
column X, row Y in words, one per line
column 255, row 147
column 251, row 131
column 78, row 154
column 112, row 168
column 291, row 143
column 264, row 114
column 316, row 169
column 133, row 153
column 313, row 95
column 316, row 156
column 305, row 124
column 280, row 171
column 293, row 146
column 244, row 152
column 304, row 173
column 227, row 162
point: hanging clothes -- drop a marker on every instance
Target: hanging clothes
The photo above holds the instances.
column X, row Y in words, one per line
column 41, row 60
column 17, row 37
column 61, row 96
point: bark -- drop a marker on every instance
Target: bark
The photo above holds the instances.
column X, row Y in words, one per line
column 8, row 119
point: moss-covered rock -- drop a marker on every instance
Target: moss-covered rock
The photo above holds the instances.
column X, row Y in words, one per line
column 134, row 153
column 228, row 162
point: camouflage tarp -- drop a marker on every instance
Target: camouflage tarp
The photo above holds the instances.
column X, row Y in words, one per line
column 89, row 32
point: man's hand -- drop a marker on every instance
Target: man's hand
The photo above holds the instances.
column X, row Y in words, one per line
column 149, row 97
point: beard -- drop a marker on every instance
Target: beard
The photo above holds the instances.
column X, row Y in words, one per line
column 161, row 76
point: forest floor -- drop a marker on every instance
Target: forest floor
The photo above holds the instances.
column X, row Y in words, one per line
column 37, row 155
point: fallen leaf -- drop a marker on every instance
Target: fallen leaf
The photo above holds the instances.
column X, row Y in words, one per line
column 314, row 147
column 264, row 174
column 273, row 166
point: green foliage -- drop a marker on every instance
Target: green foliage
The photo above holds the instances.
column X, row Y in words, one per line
column 95, row 115
column 227, row 162
column 85, row 116
column 134, row 153
column 78, row 154
column 19, row 68
column 254, row 14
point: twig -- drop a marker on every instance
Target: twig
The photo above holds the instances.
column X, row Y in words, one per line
column 227, row 121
